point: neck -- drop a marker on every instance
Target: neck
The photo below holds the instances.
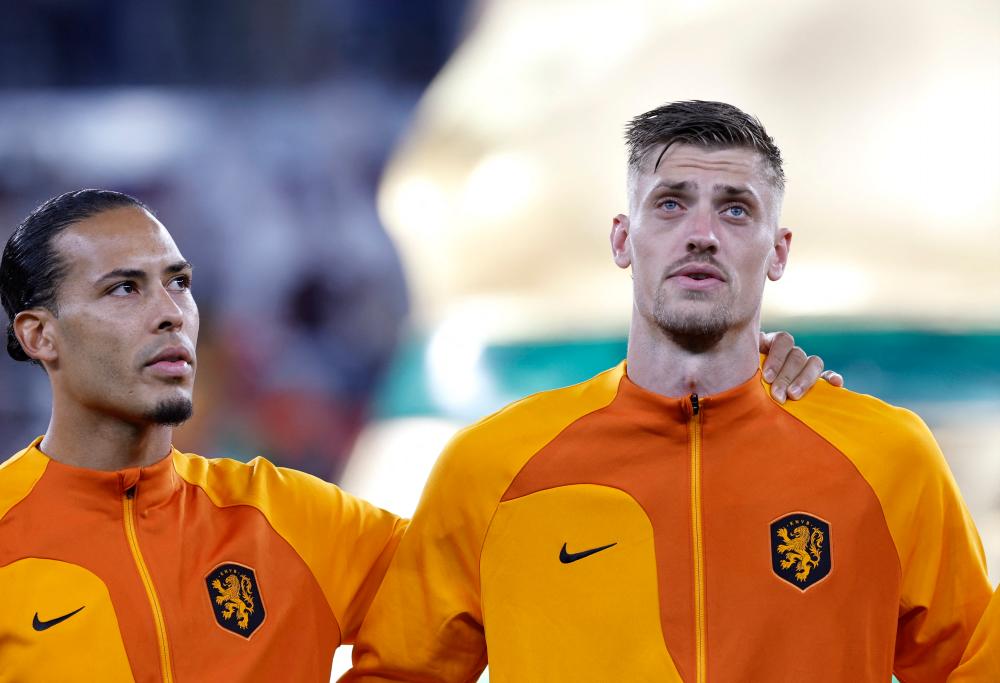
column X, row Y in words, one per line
column 81, row 437
column 659, row 363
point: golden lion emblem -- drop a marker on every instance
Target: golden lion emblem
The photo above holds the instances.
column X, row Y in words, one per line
column 235, row 598
column 802, row 550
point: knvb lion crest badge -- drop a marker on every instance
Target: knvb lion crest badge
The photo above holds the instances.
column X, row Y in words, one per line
column 235, row 598
column 800, row 549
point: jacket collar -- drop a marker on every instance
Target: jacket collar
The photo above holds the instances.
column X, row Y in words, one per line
column 149, row 486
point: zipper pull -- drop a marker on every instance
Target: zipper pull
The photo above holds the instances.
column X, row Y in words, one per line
column 694, row 404
column 130, row 492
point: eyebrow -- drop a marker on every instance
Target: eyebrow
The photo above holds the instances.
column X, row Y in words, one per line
column 734, row 190
column 138, row 274
column 720, row 188
column 178, row 267
column 682, row 186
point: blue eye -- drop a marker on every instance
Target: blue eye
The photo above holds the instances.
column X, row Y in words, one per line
column 670, row 205
column 737, row 211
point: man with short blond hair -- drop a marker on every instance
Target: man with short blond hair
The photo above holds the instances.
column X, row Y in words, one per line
column 667, row 520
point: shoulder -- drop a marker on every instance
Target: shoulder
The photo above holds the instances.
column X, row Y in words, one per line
column 536, row 419
column 227, row 477
column 498, row 445
column 259, row 483
column 304, row 509
column 18, row 476
column 866, row 428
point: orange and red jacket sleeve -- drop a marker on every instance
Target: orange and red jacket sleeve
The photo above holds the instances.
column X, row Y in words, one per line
column 981, row 661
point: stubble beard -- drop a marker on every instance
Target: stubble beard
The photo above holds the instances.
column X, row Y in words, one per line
column 172, row 412
column 696, row 331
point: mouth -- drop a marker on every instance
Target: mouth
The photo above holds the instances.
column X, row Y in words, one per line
column 697, row 277
column 699, row 272
column 174, row 361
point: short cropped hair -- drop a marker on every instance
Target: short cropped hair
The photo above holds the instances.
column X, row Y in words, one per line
column 712, row 125
column 31, row 269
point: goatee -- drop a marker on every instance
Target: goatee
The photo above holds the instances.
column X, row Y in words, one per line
column 172, row 412
column 696, row 332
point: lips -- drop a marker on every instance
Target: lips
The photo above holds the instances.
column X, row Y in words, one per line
column 172, row 354
column 697, row 277
column 173, row 361
column 698, row 272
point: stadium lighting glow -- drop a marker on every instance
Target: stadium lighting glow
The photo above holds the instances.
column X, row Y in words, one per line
column 458, row 382
column 418, row 204
column 820, row 289
column 886, row 118
column 500, row 185
column 392, row 458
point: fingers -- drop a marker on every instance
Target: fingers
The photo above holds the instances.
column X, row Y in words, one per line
column 801, row 383
column 789, row 370
column 798, row 374
column 764, row 341
column 779, row 345
column 834, row 378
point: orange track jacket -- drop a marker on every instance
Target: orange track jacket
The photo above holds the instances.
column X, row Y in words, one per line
column 187, row 570
column 981, row 663
column 605, row 533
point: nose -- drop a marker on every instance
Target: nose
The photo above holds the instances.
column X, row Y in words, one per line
column 169, row 315
column 702, row 237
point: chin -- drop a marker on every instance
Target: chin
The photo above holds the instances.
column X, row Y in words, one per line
column 708, row 319
column 171, row 411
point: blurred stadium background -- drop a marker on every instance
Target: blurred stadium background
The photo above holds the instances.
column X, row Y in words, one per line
column 398, row 210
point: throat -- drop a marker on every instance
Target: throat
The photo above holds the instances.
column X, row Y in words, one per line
column 695, row 342
column 678, row 364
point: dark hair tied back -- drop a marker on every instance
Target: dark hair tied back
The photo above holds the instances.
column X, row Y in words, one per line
column 31, row 270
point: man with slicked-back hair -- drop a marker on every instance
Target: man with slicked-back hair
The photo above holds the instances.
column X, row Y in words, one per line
column 123, row 559
column 667, row 520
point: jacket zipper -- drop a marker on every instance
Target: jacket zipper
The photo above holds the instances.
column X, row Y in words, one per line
column 133, row 541
column 694, row 429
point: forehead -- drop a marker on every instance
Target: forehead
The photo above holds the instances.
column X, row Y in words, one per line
column 726, row 165
column 126, row 237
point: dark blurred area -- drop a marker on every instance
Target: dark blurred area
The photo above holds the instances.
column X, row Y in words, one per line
column 257, row 132
column 226, row 43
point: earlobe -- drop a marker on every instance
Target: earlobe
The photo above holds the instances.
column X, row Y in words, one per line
column 779, row 257
column 620, row 245
column 34, row 330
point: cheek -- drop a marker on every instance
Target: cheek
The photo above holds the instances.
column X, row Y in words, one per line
column 649, row 259
column 753, row 273
column 92, row 346
column 193, row 323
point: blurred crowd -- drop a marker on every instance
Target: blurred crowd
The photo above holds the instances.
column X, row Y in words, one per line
column 256, row 131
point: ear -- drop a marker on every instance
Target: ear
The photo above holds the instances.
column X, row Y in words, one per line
column 621, row 246
column 35, row 329
column 779, row 257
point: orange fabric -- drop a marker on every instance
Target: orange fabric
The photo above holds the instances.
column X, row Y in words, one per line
column 534, row 631
column 618, row 473
column 88, row 649
column 981, row 662
column 76, row 516
column 427, row 624
column 944, row 588
column 319, row 522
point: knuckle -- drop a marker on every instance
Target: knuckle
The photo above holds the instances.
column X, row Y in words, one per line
column 782, row 380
